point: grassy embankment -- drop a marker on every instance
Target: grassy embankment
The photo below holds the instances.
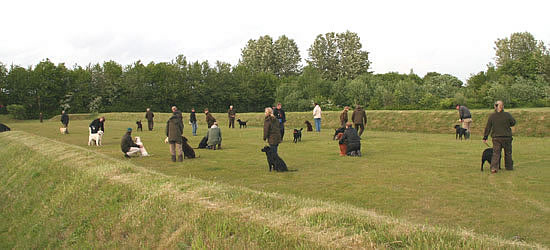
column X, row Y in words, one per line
column 60, row 195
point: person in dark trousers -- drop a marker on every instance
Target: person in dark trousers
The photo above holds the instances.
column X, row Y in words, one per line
column 352, row 140
column 279, row 114
column 149, row 116
column 41, row 116
column 231, row 113
column 209, row 118
column 97, row 125
column 193, row 121
column 272, row 132
column 65, row 121
column 344, row 117
column 127, row 145
column 500, row 125
column 214, row 137
column 359, row 118
column 465, row 118
column 174, row 134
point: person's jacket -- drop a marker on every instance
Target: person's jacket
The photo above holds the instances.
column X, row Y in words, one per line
column 350, row 137
column 97, row 125
column 499, row 124
column 280, row 114
column 65, row 118
column 126, row 143
column 174, row 128
column 464, row 113
column 214, row 136
column 359, row 116
column 272, row 132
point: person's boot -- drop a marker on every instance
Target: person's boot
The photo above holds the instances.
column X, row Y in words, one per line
column 180, row 158
column 173, row 158
column 467, row 134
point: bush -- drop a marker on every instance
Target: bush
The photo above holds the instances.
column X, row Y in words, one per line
column 17, row 111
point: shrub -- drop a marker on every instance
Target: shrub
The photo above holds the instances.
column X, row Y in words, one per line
column 17, row 111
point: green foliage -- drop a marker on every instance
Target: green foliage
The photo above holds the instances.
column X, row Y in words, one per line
column 17, row 111
column 281, row 58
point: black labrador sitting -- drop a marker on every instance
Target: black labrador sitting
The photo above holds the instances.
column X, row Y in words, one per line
column 275, row 162
column 139, row 126
column 242, row 124
column 4, row 128
column 188, row 151
column 460, row 132
column 338, row 131
column 204, row 142
column 487, row 156
column 309, row 127
column 298, row 135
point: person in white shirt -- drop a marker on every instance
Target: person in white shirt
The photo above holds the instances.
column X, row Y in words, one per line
column 317, row 117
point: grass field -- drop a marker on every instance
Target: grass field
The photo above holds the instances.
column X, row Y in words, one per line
column 420, row 178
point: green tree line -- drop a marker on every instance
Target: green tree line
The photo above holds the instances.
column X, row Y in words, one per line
column 336, row 74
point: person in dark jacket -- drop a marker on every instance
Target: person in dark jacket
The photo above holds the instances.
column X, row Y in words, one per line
column 352, row 140
column 500, row 125
column 97, row 125
column 41, row 117
column 127, row 144
column 209, row 118
column 174, row 134
column 149, row 116
column 279, row 114
column 193, row 121
column 65, row 121
column 359, row 118
column 272, row 132
column 344, row 117
column 231, row 113
column 465, row 118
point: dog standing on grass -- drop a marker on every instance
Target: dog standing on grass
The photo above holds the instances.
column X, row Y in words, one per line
column 95, row 138
column 298, row 135
column 460, row 132
column 139, row 126
column 242, row 124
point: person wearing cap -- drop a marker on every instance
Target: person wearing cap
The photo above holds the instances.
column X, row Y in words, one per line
column 127, row 145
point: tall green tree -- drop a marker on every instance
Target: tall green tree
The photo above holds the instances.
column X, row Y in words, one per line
column 280, row 57
column 521, row 55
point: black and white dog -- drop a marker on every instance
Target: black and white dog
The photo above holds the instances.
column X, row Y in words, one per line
column 297, row 135
column 487, row 157
column 275, row 162
column 460, row 132
column 242, row 124
column 139, row 125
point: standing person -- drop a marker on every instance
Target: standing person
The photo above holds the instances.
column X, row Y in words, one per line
column 193, row 121
column 279, row 114
column 209, row 118
column 127, row 145
column 344, row 117
column 65, row 121
column 500, row 125
column 465, row 118
column 317, row 117
column 272, row 133
column 231, row 113
column 352, row 140
column 214, row 137
column 97, row 125
column 149, row 116
column 174, row 134
column 359, row 118
column 41, row 117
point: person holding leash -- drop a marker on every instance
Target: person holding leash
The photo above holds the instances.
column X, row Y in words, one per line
column 465, row 118
column 500, row 125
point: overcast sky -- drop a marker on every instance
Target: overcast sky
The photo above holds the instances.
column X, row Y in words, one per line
column 452, row 37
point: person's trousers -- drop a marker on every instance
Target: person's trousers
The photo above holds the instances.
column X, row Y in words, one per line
column 466, row 123
column 133, row 150
column 176, row 148
column 500, row 143
column 194, row 127
column 150, row 124
column 273, row 148
column 231, row 122
column 353, row 147
column 360, row 128
column 282, row 128
column 317, row 124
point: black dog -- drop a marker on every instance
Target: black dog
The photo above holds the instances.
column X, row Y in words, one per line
column 298, row 135
column 487, row 156
column 275, row 162
column 242, row 123
column 338, row 131
column 139, row 126
column 460, row 132
column 309, row 127
column 188, row 151
column 4, row 128
column 204, row 142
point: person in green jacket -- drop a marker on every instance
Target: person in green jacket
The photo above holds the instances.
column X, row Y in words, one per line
column 214, row 137
column 174, row 134
column 500, row 125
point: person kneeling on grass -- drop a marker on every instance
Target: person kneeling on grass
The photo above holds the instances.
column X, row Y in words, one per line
column 128, row 146
column 214, row 137
column 352, row 141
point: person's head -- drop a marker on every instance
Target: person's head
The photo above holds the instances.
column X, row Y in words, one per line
column 230, row 106
column 348, row 124
column 315, row 104
column 357, row 106
column 193, row 110
column 206, row 111
column 279, row 105
column 174, row 108
column 102, row 119
column 346, row 108
column 129, row 130
column 215, row 123
column 268, row 111
column 148, row 109
column 499, row 106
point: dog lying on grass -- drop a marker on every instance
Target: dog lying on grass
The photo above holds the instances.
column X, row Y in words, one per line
column 95, row 138
column 460, row 132
column 488, row 156
column 297, row 135
column 274, row 161
column 242, row 124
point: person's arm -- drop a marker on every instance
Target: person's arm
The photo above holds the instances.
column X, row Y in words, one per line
column 512, row 120
column 167, row 125
column 266, row 129
column 284, row 116
column 364, row 117
column 488, row 128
